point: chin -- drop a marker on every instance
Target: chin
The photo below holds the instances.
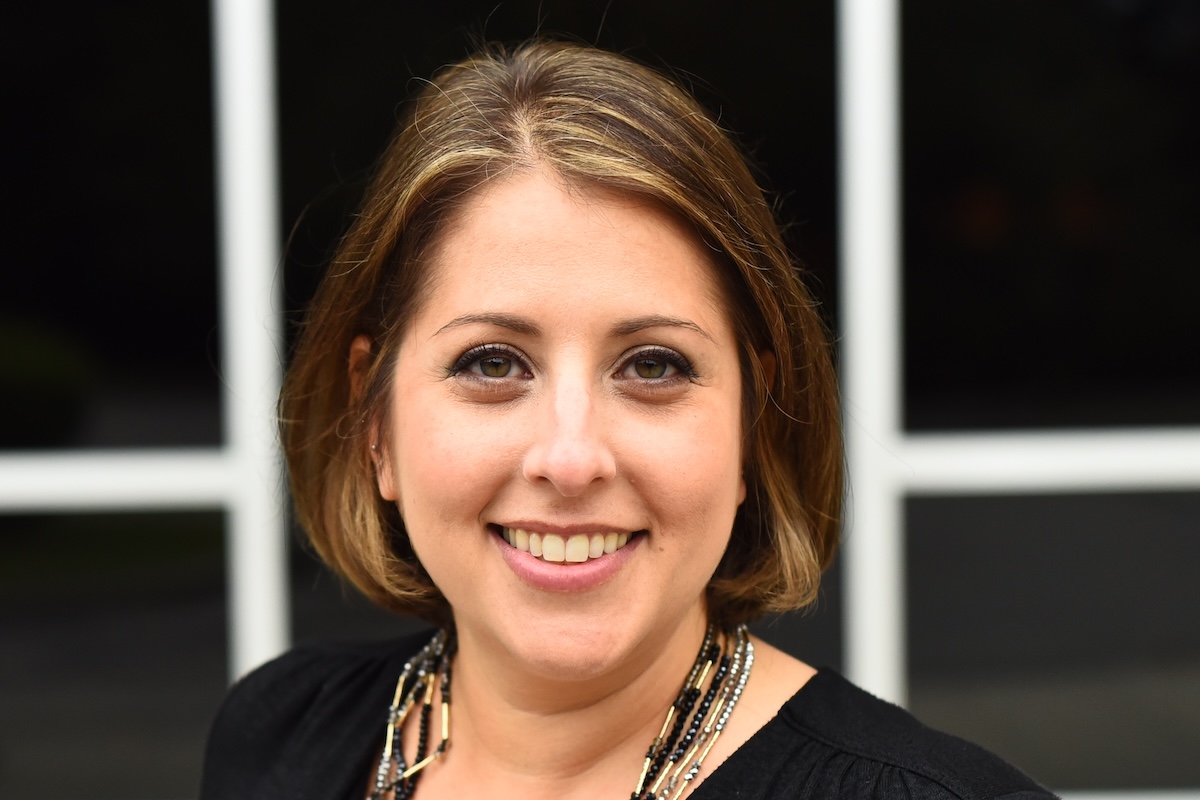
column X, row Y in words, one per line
column 586, row 644
column 570, row 649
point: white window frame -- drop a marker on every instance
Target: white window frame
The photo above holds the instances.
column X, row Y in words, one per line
column 244, row 476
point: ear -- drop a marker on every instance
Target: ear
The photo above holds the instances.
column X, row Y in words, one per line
column 766, row 359
column 362, row 353
column 384, row 477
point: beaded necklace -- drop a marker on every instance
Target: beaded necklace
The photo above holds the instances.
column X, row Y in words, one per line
column 672, row 762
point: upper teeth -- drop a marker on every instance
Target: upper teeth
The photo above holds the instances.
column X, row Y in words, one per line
column 577, row 548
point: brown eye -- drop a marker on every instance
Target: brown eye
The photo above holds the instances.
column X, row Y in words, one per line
column 490, row 362
column 495, row 366
column 650, row 368
column 656, row 366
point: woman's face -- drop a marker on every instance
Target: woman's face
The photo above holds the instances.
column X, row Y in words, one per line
column 571, row 385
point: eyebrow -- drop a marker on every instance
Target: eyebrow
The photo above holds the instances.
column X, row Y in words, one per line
column 510, row 321
column 632, row 326
column 518, row 324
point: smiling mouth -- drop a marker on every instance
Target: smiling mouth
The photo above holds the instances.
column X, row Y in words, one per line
column 574, row 549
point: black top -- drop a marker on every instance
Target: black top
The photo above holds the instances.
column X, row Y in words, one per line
column 308, row 725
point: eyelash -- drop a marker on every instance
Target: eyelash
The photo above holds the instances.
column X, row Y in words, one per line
column 477, row 353
column 677, row 360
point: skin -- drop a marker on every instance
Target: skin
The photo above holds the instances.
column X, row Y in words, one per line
column 573, row 368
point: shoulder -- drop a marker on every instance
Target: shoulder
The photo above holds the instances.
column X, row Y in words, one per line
column 890, row 740
column 329, row 699
column 833, row 740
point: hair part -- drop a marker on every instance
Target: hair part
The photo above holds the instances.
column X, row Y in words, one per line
column 597, row 121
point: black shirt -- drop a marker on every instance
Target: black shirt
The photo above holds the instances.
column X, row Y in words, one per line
column 308, row 726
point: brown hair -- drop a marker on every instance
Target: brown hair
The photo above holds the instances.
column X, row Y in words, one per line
column 595, row 119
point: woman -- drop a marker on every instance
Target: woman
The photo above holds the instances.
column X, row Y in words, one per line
column 563, row 396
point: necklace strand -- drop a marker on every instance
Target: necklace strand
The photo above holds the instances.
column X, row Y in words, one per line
column 707, row 724
column 673, row 760
column 423, row 675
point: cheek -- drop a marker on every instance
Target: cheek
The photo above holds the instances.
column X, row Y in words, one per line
column 691, row 471
column 447, row 467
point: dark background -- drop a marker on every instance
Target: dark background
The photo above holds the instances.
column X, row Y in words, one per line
column 1051, row 191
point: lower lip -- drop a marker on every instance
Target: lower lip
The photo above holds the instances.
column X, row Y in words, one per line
column 565, row 577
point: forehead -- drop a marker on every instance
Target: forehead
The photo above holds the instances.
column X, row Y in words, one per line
column 532, row 235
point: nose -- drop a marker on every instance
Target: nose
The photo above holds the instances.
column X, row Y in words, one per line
column 570, row 449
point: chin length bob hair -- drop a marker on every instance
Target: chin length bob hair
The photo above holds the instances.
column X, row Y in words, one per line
column 597, row 121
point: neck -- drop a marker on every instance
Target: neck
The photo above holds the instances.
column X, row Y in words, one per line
column 552, row 730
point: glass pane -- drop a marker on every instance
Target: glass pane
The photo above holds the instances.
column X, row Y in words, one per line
column 114, row 656
column 1061, row 632
column 1052, row 185
column 108, row 312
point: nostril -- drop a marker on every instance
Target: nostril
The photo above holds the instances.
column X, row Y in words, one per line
column 570, row 466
